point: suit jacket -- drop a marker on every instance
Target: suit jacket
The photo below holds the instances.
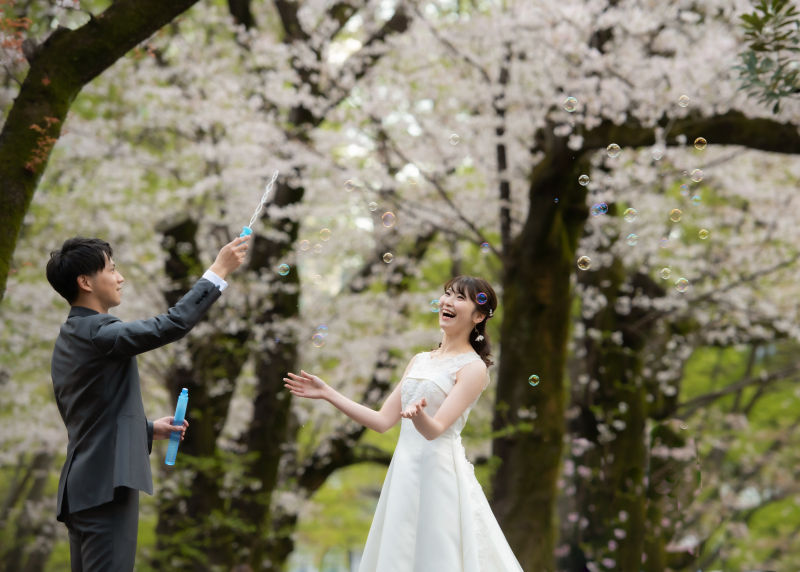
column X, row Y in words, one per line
column 96, row 384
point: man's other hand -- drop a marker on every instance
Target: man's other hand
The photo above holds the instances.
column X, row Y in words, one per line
column 163, row 428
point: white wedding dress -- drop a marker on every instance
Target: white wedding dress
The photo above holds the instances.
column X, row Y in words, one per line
column 432, row 515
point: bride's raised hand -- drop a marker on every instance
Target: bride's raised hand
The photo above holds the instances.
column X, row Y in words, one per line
column 415, row 409
column 306, row 385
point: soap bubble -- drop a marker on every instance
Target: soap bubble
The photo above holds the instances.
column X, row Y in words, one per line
column 304, row 245
column 373, row 206
column 700, row 143
column 454, row 139
column 675, row 215
column 434, row 305
column 595, row 210
column 666, row 273
column 609, row 179
column 482, row 298
column 583, row 180
column 683, row 101
column 318, row 340
column 703, row 234
column 533, row 380
column 317, row 279
column 317, row 248
column 584, row 263
column 349, row 186
column 603, row 208
column 388, row 219
column 696, row 200
column 283, row 269
column 682, row 284
column 613, row 150
column 686, row 173
column 570, row 104
column 324, row 234
column 322, row 330
column 413, row 179
column 684, row 190
column 664, row 242
column 657, row 154
column 632, row 239
column 697, row 175
column 683, row 426
column 556, row 200
column 388, row 257
column 630, row 215
column 485, row 247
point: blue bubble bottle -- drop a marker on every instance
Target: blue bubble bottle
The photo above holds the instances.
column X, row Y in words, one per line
column 175, row 437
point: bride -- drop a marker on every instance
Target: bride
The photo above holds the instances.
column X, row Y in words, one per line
column 432, row 515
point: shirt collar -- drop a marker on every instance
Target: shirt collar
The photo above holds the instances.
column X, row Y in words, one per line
column 81, row 312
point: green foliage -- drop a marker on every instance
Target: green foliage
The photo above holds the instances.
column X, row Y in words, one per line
column 768, row 72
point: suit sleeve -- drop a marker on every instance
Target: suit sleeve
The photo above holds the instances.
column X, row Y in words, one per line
column 121, row 340
column 149, row 436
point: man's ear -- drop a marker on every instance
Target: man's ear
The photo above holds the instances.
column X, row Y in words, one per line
column 84, row 284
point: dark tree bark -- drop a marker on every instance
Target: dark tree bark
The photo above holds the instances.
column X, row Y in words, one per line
column 537, row 304
column 59, row 69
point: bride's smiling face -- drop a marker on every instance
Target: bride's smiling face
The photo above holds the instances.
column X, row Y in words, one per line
column 457, row 312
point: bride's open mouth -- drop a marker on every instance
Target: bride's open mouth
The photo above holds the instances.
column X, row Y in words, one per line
column 448, row 315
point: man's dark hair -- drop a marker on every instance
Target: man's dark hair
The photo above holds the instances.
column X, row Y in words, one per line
column 78, row 257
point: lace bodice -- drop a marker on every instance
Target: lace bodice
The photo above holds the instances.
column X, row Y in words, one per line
column 434, row 378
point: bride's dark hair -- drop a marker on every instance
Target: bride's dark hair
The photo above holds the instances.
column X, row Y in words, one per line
column 471, row 286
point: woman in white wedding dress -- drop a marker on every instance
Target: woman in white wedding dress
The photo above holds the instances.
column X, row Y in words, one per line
column 432, row 515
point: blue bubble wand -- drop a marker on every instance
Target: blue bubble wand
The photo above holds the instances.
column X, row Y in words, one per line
column 247, row 230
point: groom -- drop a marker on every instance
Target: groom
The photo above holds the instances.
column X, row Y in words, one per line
column 96, row 384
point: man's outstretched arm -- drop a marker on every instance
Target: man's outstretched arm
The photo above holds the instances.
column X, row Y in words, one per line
column 120, row 340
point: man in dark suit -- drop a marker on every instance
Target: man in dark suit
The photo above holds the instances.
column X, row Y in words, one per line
column 96, row 384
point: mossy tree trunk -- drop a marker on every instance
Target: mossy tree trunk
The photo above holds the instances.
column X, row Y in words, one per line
column 538, row 267
column 59, row 68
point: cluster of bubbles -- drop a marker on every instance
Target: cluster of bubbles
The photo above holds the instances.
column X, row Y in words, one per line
column 388, row 257
column 482, row 298
column 388, row 219
column 454, row 139
column 630, row 215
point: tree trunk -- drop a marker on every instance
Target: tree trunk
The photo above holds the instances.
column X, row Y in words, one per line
column 536, row 308
column 59, row 69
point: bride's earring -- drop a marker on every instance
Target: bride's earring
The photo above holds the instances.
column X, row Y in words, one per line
column 480, row 337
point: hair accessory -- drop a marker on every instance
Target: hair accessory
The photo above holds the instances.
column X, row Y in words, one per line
column 491, row 312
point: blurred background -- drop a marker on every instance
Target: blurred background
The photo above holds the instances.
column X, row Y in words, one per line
column 624, row 172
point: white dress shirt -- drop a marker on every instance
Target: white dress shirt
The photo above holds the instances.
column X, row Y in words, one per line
column 216, row 280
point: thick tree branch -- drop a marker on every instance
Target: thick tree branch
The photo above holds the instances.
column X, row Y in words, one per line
column 67, row 61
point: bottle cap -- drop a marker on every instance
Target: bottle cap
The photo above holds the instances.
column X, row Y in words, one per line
column 184, row 391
